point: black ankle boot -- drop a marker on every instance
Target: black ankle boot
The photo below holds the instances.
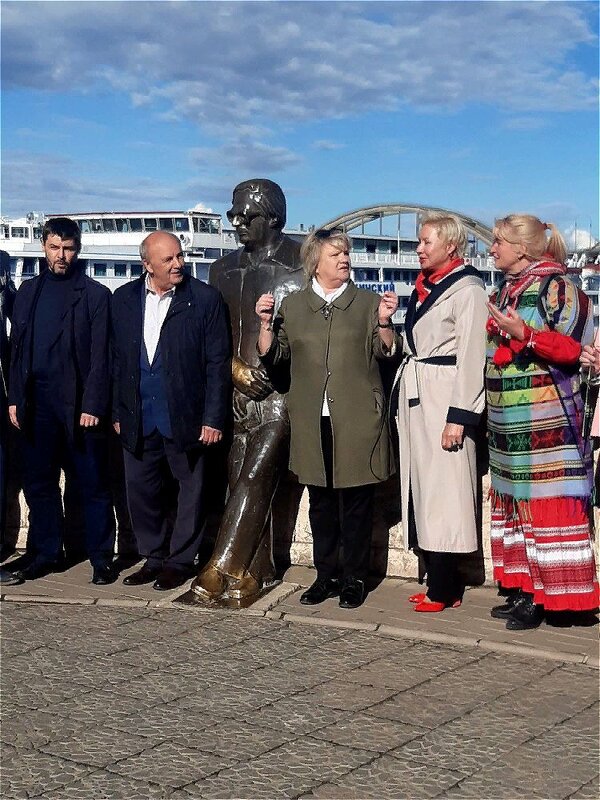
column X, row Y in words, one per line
column 504, row 611
column 525, row 615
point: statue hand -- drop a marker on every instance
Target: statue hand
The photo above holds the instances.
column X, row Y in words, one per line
column 251, row 381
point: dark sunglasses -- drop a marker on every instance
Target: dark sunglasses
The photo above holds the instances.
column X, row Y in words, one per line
column 325, row 233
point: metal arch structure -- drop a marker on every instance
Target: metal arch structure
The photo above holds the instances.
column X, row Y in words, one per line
column 352, row 219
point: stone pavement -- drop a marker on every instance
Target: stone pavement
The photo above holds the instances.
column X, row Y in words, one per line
column 109, row 692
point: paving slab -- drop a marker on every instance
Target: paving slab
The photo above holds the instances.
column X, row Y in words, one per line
column 129, row 699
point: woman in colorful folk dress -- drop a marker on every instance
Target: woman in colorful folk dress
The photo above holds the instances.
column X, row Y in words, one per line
column 540, row 465
column 441, row 399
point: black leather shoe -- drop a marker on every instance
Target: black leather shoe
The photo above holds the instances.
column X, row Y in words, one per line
column 37, row 569
column 321, row 590
column 504, row 611
column 352, row 594
column 9, row 577
column 170, row 578
column 525, row 615
column 104, row 575
column 143, row 575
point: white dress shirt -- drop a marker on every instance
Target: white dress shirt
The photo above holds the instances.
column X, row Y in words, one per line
column 329, row 298
column 155, row 311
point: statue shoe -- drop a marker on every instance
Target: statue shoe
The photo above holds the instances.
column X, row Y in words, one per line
column 210, row 583
column 245, row 587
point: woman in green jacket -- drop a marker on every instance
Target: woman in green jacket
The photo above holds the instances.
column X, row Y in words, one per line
column 332, row 333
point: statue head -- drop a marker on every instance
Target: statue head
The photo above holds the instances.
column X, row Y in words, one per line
column 257, row 213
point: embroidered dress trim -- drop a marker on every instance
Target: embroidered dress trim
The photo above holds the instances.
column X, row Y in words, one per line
column 543, row 547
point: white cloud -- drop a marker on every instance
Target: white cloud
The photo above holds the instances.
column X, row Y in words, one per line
column 201, row 207
column 35, row 181
column 220, row 64
column 578, row 239
column 327, row 144
column 525, row 123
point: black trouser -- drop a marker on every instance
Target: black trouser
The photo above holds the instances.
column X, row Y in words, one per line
column 443, row 580
column 47, row 448
column 149, row 506
column 340, row 517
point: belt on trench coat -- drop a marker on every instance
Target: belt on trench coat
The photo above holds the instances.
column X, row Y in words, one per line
column 412, row 391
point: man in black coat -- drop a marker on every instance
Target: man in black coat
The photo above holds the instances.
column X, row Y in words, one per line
column 7, row 299
column 59, row 400
column 172, row 365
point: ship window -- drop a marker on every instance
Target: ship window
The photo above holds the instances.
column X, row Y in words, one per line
column 383, row 247
column 393, row 274
column 394, row 248
column 203, row 225
column 212, row 252
column 166, row 224
column 122, row 225
column 13, row 266
column 85, row 226
column 5, row 231
column 150, row 224
column 136, row 269
column 201, row 271
column 18, row 233
column 135, row 223
column 370, row 247
column 358, row 245
column 29, row 266
column 99, row 269
column 109, row 225
column 120, row 270
column 96, row 226
column 182, row 224
column 366, row 274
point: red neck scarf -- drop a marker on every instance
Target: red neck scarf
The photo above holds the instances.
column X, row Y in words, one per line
column 426, row 281
column 515, row 285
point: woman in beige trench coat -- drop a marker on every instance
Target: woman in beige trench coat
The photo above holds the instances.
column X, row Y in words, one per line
column 441, row 398
column 332, row 333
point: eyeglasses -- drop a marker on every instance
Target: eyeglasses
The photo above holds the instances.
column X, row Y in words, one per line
column 243, row 219
column 325, row 233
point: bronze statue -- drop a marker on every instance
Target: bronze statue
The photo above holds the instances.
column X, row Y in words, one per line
column 241, row 567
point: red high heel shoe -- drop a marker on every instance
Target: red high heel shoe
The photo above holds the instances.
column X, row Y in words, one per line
column 433, row 607
column 417, row 598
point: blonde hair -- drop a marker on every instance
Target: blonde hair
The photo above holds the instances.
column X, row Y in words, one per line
column 530, row 232
column 449, row 229
column 310, row 252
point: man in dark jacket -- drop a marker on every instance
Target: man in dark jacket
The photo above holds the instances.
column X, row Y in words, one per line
column 7, row 299
column 171, row 349
column 59, row 399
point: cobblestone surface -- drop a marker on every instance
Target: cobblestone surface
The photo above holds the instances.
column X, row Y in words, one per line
column 107, row 703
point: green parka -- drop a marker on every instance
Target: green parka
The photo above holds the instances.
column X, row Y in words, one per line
column 334, row 348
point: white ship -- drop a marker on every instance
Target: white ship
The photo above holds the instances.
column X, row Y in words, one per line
column 384, row 245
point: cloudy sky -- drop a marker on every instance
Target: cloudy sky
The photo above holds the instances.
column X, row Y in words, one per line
column 483, row 107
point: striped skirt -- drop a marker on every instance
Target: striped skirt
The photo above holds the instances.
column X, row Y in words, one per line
column 543, row 547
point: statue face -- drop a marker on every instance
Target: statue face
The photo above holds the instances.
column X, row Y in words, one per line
column 249, row 220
